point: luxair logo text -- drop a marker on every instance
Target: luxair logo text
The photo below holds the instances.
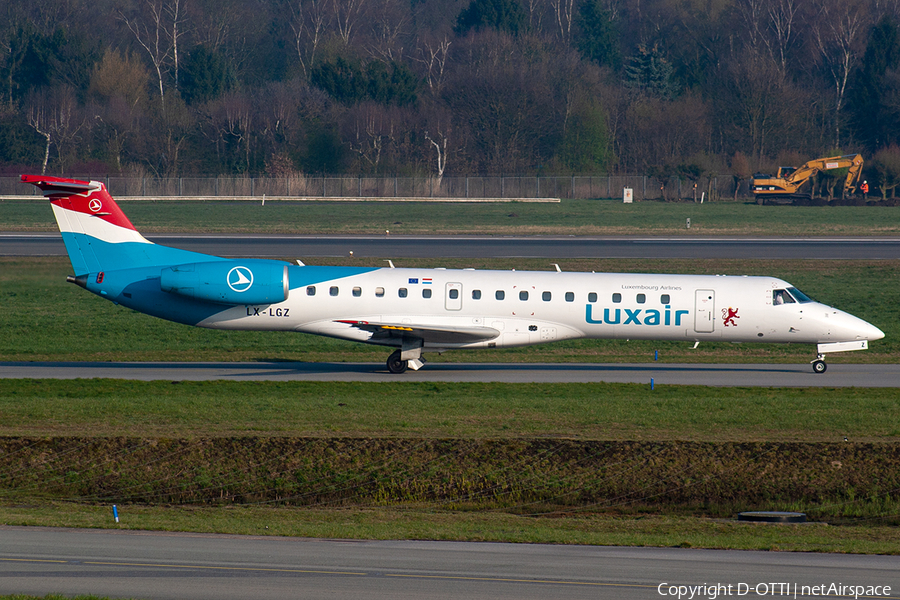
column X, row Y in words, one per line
column 637, row 316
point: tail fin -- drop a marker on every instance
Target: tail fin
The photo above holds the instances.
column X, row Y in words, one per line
column 98, row 235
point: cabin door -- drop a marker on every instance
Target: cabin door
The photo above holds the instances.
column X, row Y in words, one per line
column 704, row 311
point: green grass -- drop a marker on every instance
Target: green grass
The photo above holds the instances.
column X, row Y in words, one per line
column 114, row 408
column 44, row 318
column 51, row 597
column 570, row 217
column 379, row 523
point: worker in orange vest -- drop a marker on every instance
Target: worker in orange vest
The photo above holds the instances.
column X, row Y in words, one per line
column 864, row 188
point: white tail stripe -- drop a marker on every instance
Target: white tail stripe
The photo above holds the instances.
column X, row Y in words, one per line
column 71, row 221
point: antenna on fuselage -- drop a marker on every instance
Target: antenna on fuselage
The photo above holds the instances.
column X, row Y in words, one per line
column 558, row 270
column 390, row 262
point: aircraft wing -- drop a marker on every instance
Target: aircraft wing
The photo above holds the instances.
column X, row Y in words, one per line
column 433, row 334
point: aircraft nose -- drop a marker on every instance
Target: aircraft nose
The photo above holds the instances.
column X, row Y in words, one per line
column 870, row 332
column 863, row 330
column 849, row 327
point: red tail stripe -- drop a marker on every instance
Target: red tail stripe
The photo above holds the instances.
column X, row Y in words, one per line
column 87, row 197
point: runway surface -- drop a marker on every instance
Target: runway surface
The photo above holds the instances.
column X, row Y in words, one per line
column 722, row 375
column 288, row 246
column 162, row 566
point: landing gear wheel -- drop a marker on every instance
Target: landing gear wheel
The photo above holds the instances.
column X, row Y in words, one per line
column 819, row 366
column 395, row 365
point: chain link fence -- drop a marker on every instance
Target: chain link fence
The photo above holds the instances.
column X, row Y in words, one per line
column 510, row 187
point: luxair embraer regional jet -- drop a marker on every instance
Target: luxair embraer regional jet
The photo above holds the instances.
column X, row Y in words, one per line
column 429, row 310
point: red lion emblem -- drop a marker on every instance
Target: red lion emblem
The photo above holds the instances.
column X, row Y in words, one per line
column 729, row 315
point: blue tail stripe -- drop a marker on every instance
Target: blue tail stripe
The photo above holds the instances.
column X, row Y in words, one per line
column 124, row 255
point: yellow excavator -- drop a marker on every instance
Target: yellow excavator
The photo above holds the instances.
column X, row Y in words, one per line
column 785, row 186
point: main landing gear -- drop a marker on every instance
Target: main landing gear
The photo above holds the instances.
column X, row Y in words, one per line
column 819, row 365
column 396, row 364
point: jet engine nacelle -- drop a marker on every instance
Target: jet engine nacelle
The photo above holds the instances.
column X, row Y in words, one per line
column 229, row 281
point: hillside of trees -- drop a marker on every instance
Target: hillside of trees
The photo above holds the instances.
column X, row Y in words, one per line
column 446, row 87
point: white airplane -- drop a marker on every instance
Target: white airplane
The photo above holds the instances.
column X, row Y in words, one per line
column 429, row 310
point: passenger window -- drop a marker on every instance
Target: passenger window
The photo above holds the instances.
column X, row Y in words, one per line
column 379, row 292
column 311, row 290
column 403, row 293
column 617, row 297
column 454, row 294
column 523, row 295
column 499, row 294
column 426, row 292
column 592, row 297
column 545, row 296
column 570, row 296
column 641, row 298
column 333, row 290
column 476, row 294
column 357, row 292
column 664, row 299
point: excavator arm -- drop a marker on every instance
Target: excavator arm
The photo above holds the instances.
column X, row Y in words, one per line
column 788, row 187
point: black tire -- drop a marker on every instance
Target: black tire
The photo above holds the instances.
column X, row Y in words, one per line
column 395, row 365
column 819, row 366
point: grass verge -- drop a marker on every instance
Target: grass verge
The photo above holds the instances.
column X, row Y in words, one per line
column 570, row 217
column 582, row 411
column 380, row 524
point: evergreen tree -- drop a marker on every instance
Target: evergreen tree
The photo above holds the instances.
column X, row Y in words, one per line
column 204, row 76
column 504, row 15
column 649, row 71
column 875, row 88
column 597, row 37
column 348, row 82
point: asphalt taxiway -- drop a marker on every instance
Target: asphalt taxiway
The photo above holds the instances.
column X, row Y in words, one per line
column 720, row 375
column 463, row 246
column 187, row 566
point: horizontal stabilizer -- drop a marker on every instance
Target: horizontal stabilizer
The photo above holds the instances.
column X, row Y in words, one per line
column 57, row 186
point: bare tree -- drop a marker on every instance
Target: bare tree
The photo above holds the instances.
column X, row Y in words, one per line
column 157, row 32
column 39, row 121
column 752, row 14
column 782, row 22
column 441, row 149
column 564, row 11
column 55, row 116
column 434, row 58
column 388, row 28
column 838, row 34
column 347, row 13
column 173, row 8
column 118, row 91
column 308, row 24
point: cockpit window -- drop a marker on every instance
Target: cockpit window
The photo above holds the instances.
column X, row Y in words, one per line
column 799, row 296
column 781, row 297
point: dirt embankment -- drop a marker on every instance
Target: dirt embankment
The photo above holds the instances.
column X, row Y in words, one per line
column 527, row 476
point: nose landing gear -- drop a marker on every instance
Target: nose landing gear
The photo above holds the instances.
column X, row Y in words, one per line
column 819, row 365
